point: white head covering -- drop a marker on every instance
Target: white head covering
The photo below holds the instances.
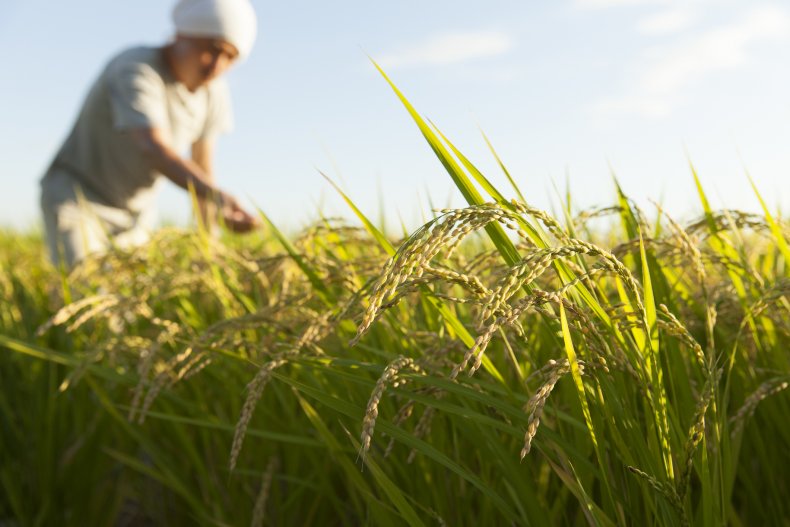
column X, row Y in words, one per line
column 233, row 21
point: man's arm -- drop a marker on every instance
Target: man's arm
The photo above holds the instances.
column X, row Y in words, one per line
column 187, row 173
column 203, row 155
column 182, row 172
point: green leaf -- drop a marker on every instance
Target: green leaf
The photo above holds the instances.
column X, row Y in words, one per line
column 576, row 373
column 776, row 230
column 398, row 434
column 655, row 369
column 372, row 230
column 504, row 169
column 462, row 181
column 317, row 283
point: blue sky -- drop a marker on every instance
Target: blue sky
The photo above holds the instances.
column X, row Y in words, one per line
column 568, row 89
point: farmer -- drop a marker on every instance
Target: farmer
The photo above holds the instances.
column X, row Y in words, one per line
column 148, row 106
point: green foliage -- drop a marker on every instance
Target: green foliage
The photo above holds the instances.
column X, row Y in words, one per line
column 495, row 367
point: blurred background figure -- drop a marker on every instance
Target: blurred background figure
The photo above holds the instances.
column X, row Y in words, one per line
column 147, row 107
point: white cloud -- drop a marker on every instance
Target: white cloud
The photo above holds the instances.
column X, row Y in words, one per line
column 449, row 48
column 669, row 21
column 667, row 72
column 717, row 49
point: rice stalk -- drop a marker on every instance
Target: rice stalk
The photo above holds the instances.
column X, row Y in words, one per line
column 388, row 378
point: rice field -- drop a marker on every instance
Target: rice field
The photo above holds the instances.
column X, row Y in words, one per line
column 497, row 366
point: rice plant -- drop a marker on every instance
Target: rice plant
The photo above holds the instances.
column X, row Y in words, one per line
column 498, row 366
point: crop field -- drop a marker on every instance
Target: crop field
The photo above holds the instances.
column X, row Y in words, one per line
column 497, row 366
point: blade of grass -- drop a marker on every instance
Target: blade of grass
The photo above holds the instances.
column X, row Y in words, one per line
column 391, row 430
column 656, row 371
column 776, row 230
column 503, row 167
column 468, row 190
column 577, row 380
column 372, row 230
column 317, row 283
column 342, row 456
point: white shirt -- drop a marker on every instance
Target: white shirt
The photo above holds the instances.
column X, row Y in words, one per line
column 137, row 90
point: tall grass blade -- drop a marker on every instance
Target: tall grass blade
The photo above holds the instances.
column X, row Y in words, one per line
column 503, row 167
column 462, row 181
column 776, row 230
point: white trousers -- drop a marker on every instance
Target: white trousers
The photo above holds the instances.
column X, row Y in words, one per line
column 78, row 224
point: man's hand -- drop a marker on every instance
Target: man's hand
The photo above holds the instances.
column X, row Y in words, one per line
column 187, row 173
column 236, row 218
